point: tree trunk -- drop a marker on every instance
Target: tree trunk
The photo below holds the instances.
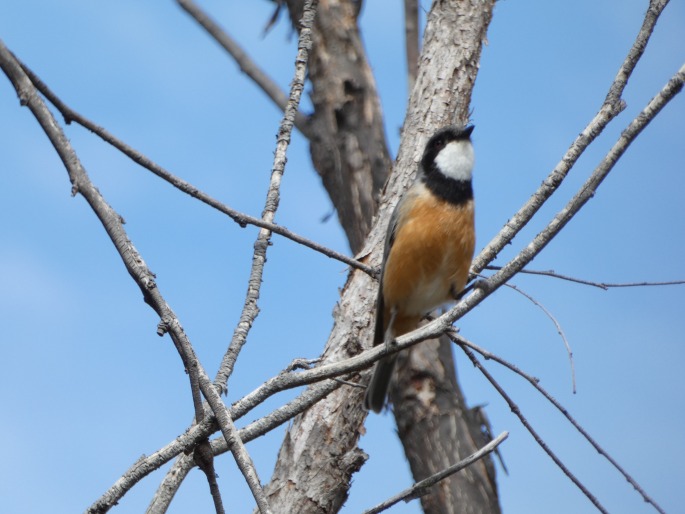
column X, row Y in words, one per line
column 437, row 430
column 432, row 419
column 320, row 453
column 347, row 138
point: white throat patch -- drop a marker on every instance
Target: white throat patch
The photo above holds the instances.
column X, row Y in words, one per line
column 456, row 160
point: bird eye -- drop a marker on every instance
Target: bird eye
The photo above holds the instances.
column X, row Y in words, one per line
column 438, row 143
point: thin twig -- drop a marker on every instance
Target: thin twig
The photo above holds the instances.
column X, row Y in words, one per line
column 134, row 263
column 486, row 286
column 535, row 382
column 588, row 189
column 609, row 285
column 601, row 285
column 515, row 409
column 560, row 331
column 421, row 488
column 242, row 219
column 196, row 433
column 246, row 64
column 611, row 107
column 204, row 459
column 182, row 466
column 250, row 308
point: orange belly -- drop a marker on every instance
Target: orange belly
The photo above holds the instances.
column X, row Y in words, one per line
column 429, row 261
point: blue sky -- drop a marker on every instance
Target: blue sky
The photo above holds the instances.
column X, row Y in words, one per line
column 88, row 386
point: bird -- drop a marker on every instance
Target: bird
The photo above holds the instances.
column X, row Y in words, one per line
column 428, row 247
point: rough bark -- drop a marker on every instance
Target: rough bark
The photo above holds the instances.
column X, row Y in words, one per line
column 432, row 418
column 346, row 136
column 437, row 430
column 320, row 452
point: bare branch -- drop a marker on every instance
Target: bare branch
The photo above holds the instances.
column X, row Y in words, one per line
column 204, row 459
column 600, row 285
column 257, row 428
column 535, row 382
column 167, row 490
column 560, row 331
column 146, row 465
column 515, row 409
column 185, row 442
column 587, row 191
column 609, row 285
column 654, row 10
column 612, row 106
column 240, row 218
column 135, row 265
column 246, row 64
column 250, row 308
column 420, row 488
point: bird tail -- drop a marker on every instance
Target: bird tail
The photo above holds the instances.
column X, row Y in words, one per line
column 380, row 382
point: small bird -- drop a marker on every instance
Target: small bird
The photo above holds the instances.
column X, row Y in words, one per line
column 428, row 248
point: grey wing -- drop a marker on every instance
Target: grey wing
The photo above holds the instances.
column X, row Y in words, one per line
column 379, row 333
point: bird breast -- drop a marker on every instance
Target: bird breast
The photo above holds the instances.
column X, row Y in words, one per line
column 431, row 255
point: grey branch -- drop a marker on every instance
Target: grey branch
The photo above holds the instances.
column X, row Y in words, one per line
column 557, row 325
column 134, row 263
column 250, row 308
column 420, row 488
column 184, row 464
column 515, row 409
column 246, row 64
column 601, row 285
column 242, row 219
column 611, row 107
column 535, row 382
column 185, row 442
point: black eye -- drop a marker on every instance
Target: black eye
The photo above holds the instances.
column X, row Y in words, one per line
column 438, row 143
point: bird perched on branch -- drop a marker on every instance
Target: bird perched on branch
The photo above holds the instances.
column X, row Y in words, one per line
column 428, row 248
